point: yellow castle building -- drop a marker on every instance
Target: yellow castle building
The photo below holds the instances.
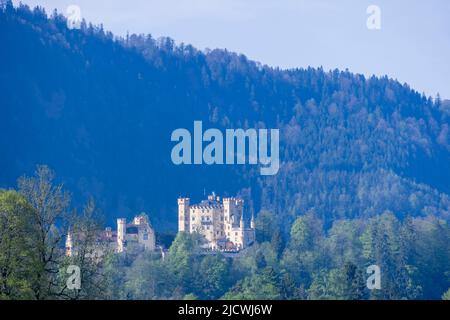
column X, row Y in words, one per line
column 220, row 222
column 138, row 233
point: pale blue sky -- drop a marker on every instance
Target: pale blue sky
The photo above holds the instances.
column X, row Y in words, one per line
column 412, row 46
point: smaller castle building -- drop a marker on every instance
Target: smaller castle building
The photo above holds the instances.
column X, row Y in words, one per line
column 138, row 232
column 221, row 223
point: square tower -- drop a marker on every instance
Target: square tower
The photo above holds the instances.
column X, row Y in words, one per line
column 183, row 214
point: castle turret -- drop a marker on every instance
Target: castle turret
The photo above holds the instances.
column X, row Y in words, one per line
column 121, row 232
column 183, row 214
column 251, row 234
column 69, row 244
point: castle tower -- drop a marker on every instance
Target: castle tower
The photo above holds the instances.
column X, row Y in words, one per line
column 140, row 219
column 240, row 241
column 69, row 245
column 240, row 207
column 121, row 232
column 252, row 222
column 183, row 214
column 233, row 208
column 227, row 214
column 241, row 223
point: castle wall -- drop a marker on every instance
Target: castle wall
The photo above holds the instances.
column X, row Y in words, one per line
column 207, row 220
column 146, row 237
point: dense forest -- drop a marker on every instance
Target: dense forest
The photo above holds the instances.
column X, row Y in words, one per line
column 364, row 175
column 413, row 255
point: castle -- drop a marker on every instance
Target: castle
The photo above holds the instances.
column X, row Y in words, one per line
column 138, row 232
column 221, row 223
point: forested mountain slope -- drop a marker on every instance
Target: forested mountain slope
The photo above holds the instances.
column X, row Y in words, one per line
column 100, row 110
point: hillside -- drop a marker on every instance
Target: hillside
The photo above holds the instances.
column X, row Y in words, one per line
column 99, row 110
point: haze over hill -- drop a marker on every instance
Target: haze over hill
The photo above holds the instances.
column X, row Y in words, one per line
column 100, row 112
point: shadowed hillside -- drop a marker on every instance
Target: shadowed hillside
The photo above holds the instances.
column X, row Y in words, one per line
column 100, row 110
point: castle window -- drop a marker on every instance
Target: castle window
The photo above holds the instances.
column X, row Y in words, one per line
column 145, row 236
